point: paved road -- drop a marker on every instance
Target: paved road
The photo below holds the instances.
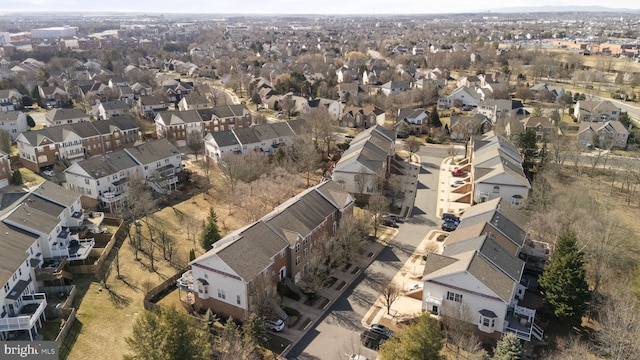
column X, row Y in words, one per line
column 338, row 332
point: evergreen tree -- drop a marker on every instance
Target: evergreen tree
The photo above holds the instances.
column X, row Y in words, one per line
column 168, row 335
column 210, row 233
column 35, row 95
column 528, row 144
column 508, row 348
column 16, row 177
column 624, row 118
column 422, row 339
column 192, row 255
column 30, row 122
column 564, row 280
column 434, row 119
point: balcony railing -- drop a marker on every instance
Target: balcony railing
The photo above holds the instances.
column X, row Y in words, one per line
column 111, row 197
column 185, row 282
column 25, row 321
column 75, row 250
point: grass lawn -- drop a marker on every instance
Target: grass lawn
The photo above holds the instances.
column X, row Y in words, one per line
column 106, row 317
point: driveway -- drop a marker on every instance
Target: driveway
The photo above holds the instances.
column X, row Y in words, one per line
column 337, row 333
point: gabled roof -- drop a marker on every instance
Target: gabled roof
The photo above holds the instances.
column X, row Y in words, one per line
column 535, row 121
column 223, row 138
column 152, row 151
column 56, row 193
column 246, row 136
column 100, row 166
column 273, row 233
column 229, row 111
column 65, row 114
column 596, row 127
column 15, row 245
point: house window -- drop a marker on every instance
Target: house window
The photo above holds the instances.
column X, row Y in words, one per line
column 297, row 247
column 306, row 252
column 496, row 189
column 86, row 181
column 297, row 260
column 281, row 253
column 516, row 200
column 221, row 294
column 238, row 299
column 454, row 297
column 305, row 241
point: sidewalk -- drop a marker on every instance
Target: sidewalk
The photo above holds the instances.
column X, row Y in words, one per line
column 409, row 303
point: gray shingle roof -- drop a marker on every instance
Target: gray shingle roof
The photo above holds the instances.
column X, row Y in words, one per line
column 152, row 151
column 15, row 244
column 224, row 138
column 56, row 193
column 65, row 114
column 111, row 163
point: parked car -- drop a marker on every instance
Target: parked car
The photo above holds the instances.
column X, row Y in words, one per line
column 393, row 217
column 457, row 183
column 277, row 325
column 372, row 340
column 357, row 357
column 450, row 222
column 414, row 287
column 49, row 173
column 389, row 223
column 458, row 173
column 381, row 329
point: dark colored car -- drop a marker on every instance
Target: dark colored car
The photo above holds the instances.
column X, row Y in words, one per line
column 389, row 223
column 394, row 217
column 450, row 222
column 372, row 340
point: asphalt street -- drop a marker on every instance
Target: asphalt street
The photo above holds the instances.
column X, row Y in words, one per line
column 337, row 333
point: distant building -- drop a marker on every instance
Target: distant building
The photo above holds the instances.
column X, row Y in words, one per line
column 54, row 32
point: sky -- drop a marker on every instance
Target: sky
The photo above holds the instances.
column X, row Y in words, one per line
column 362, row 7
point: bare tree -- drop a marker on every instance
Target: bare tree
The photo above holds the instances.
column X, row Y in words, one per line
column 304, row 155
column 322, row 126
column 378, row 204
column 195, row 142
column 5, row 141
column 389, row 295
column 413, row 145
column 620, row 323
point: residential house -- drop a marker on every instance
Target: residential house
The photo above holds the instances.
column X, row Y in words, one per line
column 193, row 102
column 102, row 180
column 417, row 119
column 481, row 269
column 366, row 117
column 471, row 81
column 53, row 96
column 463, row 97
column 497, row 170
column 367, row 160
column 56, row 117
column 176, row 89
column 220, row 143
column 150, row 105
column 226, row 117
column 498, row 109
column 605, row 135
column 596, row 111
column 10, row 100
column 38, row 226
column 226, row 280
column 73, row 142
column 107, row 109
column 334, row 107
column 179, row 125
column 13, row 122
column 544, row 127
column 546, row 92
column 141, row 89
column 395, row 87
column 351, row 90
column 462, row 128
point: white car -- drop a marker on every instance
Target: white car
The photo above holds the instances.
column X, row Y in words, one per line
column 457, row 183
column 49, row 173
column 414, row 287
column 357, row 357
column 276, row 326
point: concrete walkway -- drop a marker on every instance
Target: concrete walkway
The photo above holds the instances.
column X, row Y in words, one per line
column 409, row 303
